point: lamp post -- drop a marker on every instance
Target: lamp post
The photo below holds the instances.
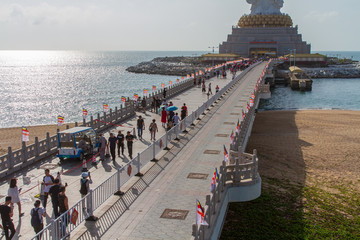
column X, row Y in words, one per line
column 213, row 50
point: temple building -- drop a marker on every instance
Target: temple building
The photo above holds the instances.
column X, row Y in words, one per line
column 264, row 32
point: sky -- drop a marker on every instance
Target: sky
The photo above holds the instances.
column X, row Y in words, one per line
column 165, row 25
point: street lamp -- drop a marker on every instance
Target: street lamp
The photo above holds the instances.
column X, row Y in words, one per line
column 213, row 49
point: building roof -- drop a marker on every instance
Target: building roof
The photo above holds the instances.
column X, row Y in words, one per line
column 302, row 55
column 215, row 55
column 75, row 130
column 295, row 69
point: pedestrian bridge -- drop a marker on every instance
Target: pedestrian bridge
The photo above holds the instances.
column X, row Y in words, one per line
column 153, row 196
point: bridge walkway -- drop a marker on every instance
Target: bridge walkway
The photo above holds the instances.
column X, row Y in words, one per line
column 139, row 213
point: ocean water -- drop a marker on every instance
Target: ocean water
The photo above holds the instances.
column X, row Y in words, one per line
column 325, row 94
column 37, row 86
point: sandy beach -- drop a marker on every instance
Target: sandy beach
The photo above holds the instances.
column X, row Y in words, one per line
column 11, row 137
column 307, row 147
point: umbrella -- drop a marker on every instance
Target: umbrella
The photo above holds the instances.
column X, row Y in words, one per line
column 172, row 108
column 160, row 108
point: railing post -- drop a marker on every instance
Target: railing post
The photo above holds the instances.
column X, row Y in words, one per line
column 54, row 229
column 208, row 203
column 255, row 164
column 192, row 119
column 177, row 130
column 89, row 206
column 48, row 147
column 110, row 116
column 23, row 152
column 99, row 123
column 84, row 122
column 37, row 152
column 118, row 192
column 116, row 114
column 154, row 153
column 166, row 141
column 139, row 174
column 76, row 124
column 10, row 158
column 92, row 121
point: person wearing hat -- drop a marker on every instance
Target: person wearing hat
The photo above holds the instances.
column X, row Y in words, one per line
column 85, row 182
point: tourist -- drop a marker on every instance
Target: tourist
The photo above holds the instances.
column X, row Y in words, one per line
column 102, row 146
column 37, row 214
column 209, row 90
column 48, row 181
column 13, row 192
column 6, row 212
column 120, row 143
column 176, row 119
column 112, row 143
column 183, row 111
column 137, row 105
column 171, row 104
column 64, row 206
column 83, row 145
column 163, row 116
column 203, row 88
column 84, row 190
column 158, row 104
column 164, row 93
column 140, row 127
column 153, row 104
column 217, row 89
column 129, row 140
column 171, row 116
column 54, row 194
column 143, row 104
column 153, row 129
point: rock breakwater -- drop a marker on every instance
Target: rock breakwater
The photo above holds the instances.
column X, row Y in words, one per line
column 175, row 66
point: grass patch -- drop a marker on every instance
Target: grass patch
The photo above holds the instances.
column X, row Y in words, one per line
column 290, row 211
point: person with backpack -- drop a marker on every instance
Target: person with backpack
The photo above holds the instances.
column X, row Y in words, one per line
column 37, row 214
column 6, row 212
column 84, row 190
column 48, row 181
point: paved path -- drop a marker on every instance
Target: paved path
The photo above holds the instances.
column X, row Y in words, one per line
column 193, row 98
column 137, row 214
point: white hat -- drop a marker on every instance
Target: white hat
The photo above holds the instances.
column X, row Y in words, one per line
column 85, row 174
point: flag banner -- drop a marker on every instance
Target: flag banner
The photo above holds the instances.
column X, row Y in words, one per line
column 170, row 83
column 216, row 175
column 226, row 155
column 85, row 113
column 154, row 88
column 74, row 216
column 188, row 76
column 163, row 85
column 243, row 115
column 25, row 134
column 192, row 75
column 238, row 126
column 247, row 107
column 145, row 92
column 200, row 214
column 60, row 121
column 177, row 80
column 135, row 98
column 105, row 107
column 213, row 184
column 232, row 137
column 182, row 78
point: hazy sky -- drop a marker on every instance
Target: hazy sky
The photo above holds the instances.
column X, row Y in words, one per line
column 162, row 24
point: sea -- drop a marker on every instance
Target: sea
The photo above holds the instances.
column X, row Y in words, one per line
column 37, row 86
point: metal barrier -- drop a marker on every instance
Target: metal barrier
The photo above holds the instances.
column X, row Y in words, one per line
column 60, row 227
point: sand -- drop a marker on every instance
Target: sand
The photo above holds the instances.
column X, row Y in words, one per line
column 308, row 147
column 11, row 137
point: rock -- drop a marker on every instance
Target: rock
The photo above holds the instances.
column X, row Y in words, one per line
column 178, row 66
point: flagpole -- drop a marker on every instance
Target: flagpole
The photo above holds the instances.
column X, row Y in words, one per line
column 196, row 230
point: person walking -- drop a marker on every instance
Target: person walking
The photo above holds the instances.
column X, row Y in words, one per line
column 164, row 93
column 13, row 192
column 54, row 194
column 163, row 116
column 102, row 147
column 143, row 104
column 153, row 129
column 129, row 140
column 37, row 214
column 176, row 119
column 48, row 181
column 120, row 141
column 140, row 127
column 84, row 190
column 183, row 111
column 112, row 143
column 203, row 88
column 153, row 104
column 209, row 90
column 64, row 206
column 6, row 212
column 217, row 89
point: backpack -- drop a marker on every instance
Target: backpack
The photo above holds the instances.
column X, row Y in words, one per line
column 35, row 219
column 83, row 188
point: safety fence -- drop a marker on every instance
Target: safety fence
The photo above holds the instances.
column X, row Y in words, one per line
column 61, row 227
column 240, row 170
